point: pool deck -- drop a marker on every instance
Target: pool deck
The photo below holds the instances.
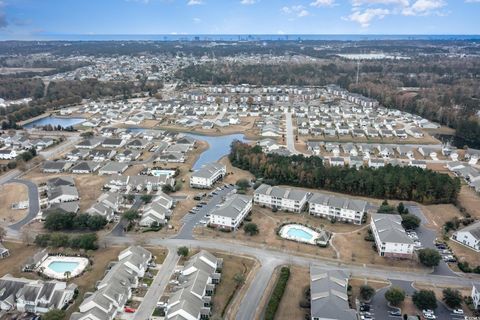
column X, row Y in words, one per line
column 82, row 264
column 284, row 233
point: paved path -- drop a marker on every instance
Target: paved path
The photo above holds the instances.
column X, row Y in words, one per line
column 290, row 134
column 33, row 204
column 158, row 286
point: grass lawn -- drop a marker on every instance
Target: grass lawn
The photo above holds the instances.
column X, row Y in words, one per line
column 226, row 290
column 12, row 193
column 469, row 200
column 267, row 222
column 290, row 305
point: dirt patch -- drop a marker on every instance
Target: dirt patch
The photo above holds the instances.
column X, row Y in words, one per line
column 19, row 254
column 9, row 194
column 438, row 214
column 294, row 293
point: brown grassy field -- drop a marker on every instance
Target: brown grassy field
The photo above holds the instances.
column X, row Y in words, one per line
column 12, row 193
column 232, row 265
column 294, row 293
column 233, row 173
column 469, row 200
column 464, row 254
column 438, row 214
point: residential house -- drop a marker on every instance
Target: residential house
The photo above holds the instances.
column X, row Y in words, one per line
column 62, row 194
column 56, row 166
column 113, row 168
column 8, row 154
column 85, row 167
column 34, row 296
column 192, row 297
column 376, row 163
column 115, row 289
column 328, row 295
column 476, row 296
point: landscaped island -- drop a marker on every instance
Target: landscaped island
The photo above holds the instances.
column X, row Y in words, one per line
column 403, row 183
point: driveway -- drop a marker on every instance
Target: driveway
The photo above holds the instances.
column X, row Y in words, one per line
column 119, row 229
column 33, row 204
column 427, row 237
column 158, row 286
column 192, row 220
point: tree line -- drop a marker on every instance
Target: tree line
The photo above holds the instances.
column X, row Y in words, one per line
column 87, row 241
column 403, row 183
column 57, row 220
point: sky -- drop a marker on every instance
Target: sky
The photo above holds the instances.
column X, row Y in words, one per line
column 32, row 19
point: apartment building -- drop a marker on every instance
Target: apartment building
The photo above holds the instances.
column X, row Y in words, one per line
column 230, row 214
column 469, row 236
column 337, row 208
column 390, row 237
column 205, row 177
column 286, row 199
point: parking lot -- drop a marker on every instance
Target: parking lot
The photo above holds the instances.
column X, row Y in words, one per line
column 380, row 310
column 198, row 215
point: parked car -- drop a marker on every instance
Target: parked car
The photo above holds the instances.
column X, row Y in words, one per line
column 129, row 310
column 365, row 307
column 395, row 313
column 458, row 311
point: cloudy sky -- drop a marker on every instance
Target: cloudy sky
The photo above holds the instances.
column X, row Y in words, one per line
column 34, row 18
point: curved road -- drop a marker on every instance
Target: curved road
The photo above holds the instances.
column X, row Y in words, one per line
column 33, row 206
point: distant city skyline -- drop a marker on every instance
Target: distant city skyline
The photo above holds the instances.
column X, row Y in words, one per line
column 33, row 19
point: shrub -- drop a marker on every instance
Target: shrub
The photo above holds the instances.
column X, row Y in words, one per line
column 182, row 251
column 277, row 293
column 366, row 292
column 424, row 299
column 395, row 296
column 452, row 298
column 251, row 229
column 429, row 257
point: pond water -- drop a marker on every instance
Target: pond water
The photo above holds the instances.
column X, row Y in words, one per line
column 219, row 146
column 54, row 121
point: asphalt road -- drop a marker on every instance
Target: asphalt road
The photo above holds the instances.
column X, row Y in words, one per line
column 33, row 204
column 191, row 220
column 119, row 229
column 289, row 133
column 157, row 287
column 427, row 237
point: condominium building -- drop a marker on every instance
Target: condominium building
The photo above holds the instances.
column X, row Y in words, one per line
column 390, row 237
column 205, row 177
column 230, row 214
column 287, row 199
column 337, row 208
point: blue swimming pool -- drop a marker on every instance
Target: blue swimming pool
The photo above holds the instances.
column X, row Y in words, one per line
column 300, row 234
column 63, row 266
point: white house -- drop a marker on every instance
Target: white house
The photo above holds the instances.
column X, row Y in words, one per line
column 390, row 237
column 208, row 175
column 476, row 295
column 469, row 236
column 286, row 199
column 8, row 154
column 336, row 208
column 230, row 214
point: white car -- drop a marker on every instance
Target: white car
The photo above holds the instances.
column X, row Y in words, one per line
column 458, row 311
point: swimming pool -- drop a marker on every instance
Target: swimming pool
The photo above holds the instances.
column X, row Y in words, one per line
column 299, row 233
column 63, row 266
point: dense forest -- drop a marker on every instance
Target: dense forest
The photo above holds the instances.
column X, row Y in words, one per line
column 402, row 183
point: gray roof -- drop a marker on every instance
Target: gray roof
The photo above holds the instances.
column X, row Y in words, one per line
column 473, row 229
column 339, row 202
column 208, row 170
column 281, row 192
column 232, row 207
column 114, row 167
column 389, row 228
column 329, row 299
